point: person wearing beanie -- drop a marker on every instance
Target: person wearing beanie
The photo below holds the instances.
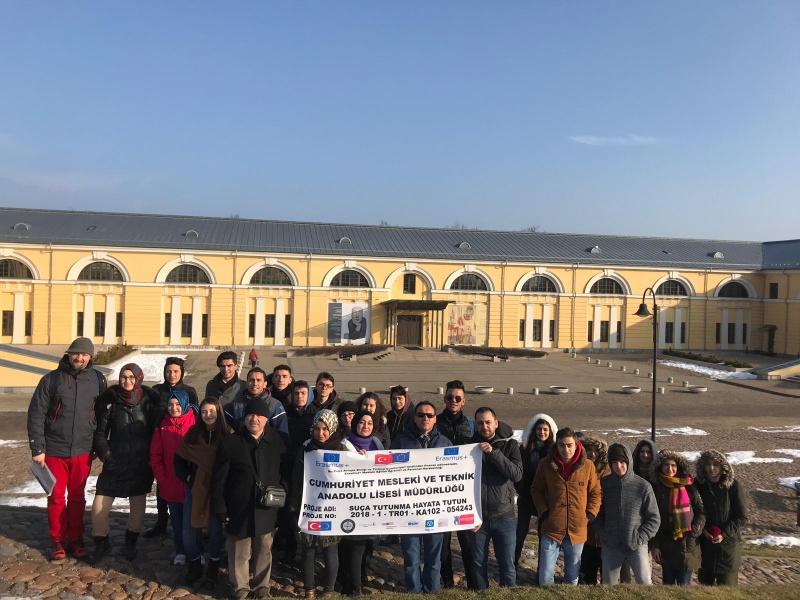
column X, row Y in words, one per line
column 126, row 417
column 61, row 423
column 174, row 371
column 628, row 519
column 257, row 451
column 256, row 389
column 326, row 435
column 346, row 411
column 726, row 516
column 167, row 439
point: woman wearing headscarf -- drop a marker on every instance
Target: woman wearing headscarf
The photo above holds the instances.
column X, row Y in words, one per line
column 537, row 439
column 194, row 462
column 675, row 546
column 591, row 557
column 126, row 417
column 726, row 517
column 326, row 434
column 371, row 403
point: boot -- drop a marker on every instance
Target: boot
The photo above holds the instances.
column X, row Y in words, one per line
column 194, row 571
column 311, row 593
column 212, row 571
column 102, row 548
column 160, row 528
column 130, row 544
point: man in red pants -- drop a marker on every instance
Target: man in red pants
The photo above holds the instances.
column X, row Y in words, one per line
column 61, row 423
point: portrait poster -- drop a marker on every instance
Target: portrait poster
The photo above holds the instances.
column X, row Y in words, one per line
column 348, row 323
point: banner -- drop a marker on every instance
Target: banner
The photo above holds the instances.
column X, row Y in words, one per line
column 348, row 323
column 397, row 491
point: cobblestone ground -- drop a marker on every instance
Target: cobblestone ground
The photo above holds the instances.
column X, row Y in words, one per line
column 25, row 570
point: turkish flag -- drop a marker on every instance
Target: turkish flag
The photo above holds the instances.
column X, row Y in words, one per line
column 383, row 459
column 315, row 526
column 465, row 519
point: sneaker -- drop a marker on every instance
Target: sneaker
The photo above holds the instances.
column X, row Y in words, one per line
column 262, row 592
column 179, row 560
column 78, row 550
column 58, row 552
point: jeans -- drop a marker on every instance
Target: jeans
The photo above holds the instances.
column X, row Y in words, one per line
column 502, row 533
column 680, row 577
column 639, row 561
column 427, row 547
column 176, row 518
column 193, row 536
column 548, row 556
column 331, row 553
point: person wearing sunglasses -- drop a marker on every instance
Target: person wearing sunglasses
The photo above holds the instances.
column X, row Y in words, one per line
column 422, row 433
column 459, row 428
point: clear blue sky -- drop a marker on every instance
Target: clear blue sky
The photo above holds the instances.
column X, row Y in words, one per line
column 643, row 118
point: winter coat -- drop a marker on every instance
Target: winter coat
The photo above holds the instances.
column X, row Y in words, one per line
column 458, row 427
column 234, row 411
column 411, row 439
column 629, row 515
column 215, row 388
column 724, row 506
column 166, row 440
column 233, row 491
column 314, row 405
column 684, row 553
column 196, row 473
column 501, row 469
column 531, row 456
column 122, row 441
column 397, row 422
column 283, row 396
column 645, row 472
column 61, row 415
column 563, row 504
column 164, row 391
column 602, row 469
column 298, row 422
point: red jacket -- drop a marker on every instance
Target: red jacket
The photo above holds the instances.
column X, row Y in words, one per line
column 166, row 440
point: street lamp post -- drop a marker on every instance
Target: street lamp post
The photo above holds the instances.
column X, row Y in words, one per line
column 645, row 312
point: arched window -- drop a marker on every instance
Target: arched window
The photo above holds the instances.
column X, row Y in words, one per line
column 100, row 271
column 14, row 269
column 671, row 287
column 469, row 282
column 539, row 284
column 733, row 289
column 349, row 278
column 187, row 274
column 607, row 286
column 270, row 276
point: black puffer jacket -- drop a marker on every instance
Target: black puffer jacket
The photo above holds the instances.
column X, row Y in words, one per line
column 397, row 422
column 725, row 508
column 501, row 469
column 122, row 442
column 233, row 482
column 226, row 393
column 532, row 453
column 61, row 417
column 458, row 427
column 299, row 423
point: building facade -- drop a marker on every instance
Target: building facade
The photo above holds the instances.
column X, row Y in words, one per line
column 170, row 280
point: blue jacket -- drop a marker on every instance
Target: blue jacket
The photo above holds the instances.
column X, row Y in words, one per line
column 234, row 412
column 411, row 439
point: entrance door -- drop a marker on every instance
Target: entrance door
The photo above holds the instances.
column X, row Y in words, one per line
column 409, row 330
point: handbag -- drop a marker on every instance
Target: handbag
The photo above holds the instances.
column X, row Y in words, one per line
column 268, row 496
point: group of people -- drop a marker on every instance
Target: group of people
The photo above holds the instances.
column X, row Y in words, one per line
column 229, row 472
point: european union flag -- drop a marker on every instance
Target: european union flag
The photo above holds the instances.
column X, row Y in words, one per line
column 451, row 451
column 401, row 457
column 330, row 457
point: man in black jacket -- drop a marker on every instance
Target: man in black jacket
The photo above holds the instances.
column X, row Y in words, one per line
column 226, row 384
column 460, row 429
column 61, row 423
column 255, row 451
column 502, row 468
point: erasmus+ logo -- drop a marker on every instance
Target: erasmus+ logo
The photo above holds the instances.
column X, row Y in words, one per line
column 330, row 457
column 388, row 459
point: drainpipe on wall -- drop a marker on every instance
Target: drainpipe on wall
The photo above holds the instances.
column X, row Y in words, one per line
column 705, row 311
column 308, row 299
column 233, row 307
column 786, row 334
column 502, row 300
column 50, row 298
column 572, row 312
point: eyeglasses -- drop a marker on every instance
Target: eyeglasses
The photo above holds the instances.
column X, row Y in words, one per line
column 128, row 377
column 426, row 415
column 455, row 399
column 325, row 386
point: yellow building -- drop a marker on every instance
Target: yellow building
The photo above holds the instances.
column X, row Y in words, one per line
column 174, row 280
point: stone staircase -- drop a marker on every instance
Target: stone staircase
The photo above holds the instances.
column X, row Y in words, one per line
column 789, row 370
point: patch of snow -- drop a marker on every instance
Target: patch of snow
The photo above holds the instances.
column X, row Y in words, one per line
column 691, row 455
column 707, row 371
column 790, row 451
column 781, row 429
column 765, row 491
column 152, row 366
column 744, row 457
column 776, row 540
column 518, row 435
column 12, row 443
column 624, row 432
column 31, row 495
column 788, row 481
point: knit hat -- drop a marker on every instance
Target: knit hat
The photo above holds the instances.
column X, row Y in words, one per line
column 347, row 406
column 329, row 418
column 257, row 406
column 81, row 345
column 616, row 453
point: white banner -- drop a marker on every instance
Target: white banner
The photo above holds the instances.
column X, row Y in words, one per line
column 392, row 491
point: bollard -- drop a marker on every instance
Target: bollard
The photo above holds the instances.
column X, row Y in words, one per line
column 649, row 374
column 405, row 387
column 622, row 368
column 574, row 355
column 441, row 391
column 636, row 371
column 685, row 384
column 596, row 391
column 610, row 364
column 511, row 391
column 597, row 362
column 535, row 391
column 670, row 380
column 661, row 390
column 588, row 359
column 362, row 390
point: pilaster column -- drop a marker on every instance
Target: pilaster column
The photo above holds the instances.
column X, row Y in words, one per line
column 197, row 321
column 723, row 334
column 280, row 321
column 528, row 325
column 547, row 314
column 597, row 318
column 18, row 331
column 175, row 328
column 259, row 333
column 88, row 316
column 662, row 326
column 110, row 336
column 612, row 327
column 677, row 334
column 740, row 329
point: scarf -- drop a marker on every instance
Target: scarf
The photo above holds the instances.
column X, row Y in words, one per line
column 202, row 455
column 133, row 396
column 362, row 443
column 334, row 443
column 680, row 506
column 566, row 469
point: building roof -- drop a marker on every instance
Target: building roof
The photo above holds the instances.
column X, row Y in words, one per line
column 782, row 255
column 187, row 233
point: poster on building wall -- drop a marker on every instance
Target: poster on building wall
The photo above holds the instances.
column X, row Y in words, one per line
column 348, row 323
column 466, row 324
